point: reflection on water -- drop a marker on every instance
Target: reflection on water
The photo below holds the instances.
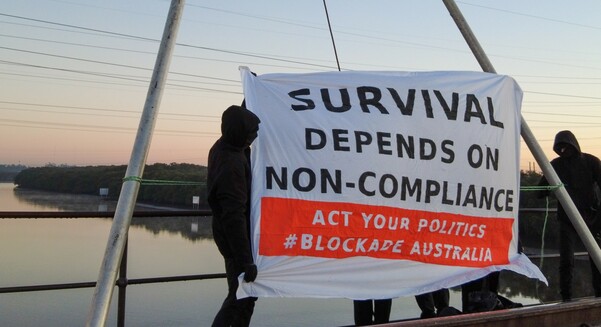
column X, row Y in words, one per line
column 46, row 251
column 192, row 228
column 514, row 285
column 35, row 200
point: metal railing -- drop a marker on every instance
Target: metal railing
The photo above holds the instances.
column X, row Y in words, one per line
column 122, row 281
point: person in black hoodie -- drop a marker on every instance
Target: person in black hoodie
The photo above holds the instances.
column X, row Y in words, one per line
column 578, row 173
column 228, row 185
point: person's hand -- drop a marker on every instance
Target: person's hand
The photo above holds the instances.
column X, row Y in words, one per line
column 250, row 272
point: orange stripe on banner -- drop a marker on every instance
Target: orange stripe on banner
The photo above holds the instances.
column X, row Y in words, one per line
column 292, row 227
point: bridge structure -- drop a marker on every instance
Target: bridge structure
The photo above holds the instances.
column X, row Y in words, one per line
column 116, row 242
column 581, row 312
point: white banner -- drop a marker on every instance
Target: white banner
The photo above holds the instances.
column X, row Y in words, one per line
column 370, row 185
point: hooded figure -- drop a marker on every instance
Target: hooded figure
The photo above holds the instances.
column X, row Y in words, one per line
column 228, row 185
column 580, row 174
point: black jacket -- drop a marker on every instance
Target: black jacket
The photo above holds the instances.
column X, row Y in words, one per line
column 578, row 173
column 228, row 184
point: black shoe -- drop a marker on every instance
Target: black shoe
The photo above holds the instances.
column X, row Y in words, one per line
column 426, row 315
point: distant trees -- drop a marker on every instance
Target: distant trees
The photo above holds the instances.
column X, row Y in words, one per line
column 533, row 226
column 8, row 172
column 89, row 180
column 175, row 194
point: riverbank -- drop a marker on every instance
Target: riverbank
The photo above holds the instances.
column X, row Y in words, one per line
column 165, row 185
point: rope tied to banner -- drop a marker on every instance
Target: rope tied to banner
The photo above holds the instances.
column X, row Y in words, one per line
column 161, row 182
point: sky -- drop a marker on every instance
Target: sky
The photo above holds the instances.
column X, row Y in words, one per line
column 74, row 74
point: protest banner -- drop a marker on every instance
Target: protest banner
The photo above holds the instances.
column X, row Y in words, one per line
column 372, row 185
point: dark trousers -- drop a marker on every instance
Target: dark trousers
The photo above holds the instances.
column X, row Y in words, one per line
column 370, row 312
column 234, row 312
column 567, row 241
column 489, row 283
column 431, row 303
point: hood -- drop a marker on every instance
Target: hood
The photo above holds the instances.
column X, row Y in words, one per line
column 566, row 137
column 238, row 124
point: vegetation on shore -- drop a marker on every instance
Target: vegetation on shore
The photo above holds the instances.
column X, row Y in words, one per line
column 8, row 172
column 90, row 179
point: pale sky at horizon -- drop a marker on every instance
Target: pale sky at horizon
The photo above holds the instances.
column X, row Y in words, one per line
column 75, row 73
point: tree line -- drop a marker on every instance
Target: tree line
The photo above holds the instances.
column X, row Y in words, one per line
column 8, row 172
column 90, row 179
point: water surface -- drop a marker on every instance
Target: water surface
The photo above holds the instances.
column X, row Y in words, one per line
column 47, row 251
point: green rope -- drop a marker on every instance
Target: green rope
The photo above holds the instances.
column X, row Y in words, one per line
column 132, row 178
column 541, row 188
column 542, row 246
column 160, row 182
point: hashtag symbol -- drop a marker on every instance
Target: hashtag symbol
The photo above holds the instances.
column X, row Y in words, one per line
column 290, row 241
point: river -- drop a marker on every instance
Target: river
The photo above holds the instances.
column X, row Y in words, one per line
column 48, row 251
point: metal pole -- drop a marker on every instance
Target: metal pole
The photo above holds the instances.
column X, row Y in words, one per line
column 561, row 193
column 122, row 283
column 107, row 276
